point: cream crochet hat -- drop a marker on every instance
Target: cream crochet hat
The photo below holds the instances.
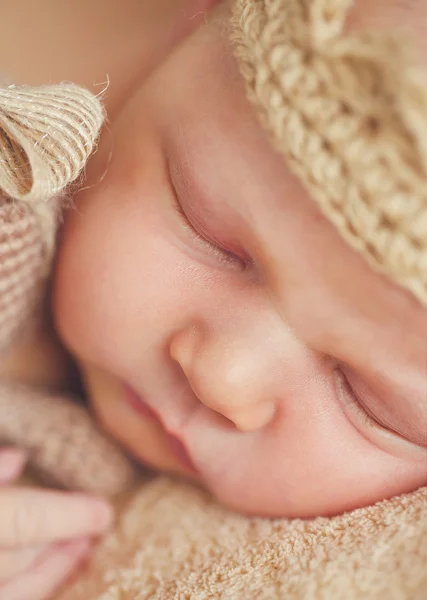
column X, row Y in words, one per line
column 349, row 112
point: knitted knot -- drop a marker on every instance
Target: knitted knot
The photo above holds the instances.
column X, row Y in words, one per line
column 349, row 112
column 47, row 134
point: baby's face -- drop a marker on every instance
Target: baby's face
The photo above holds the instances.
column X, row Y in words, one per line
column 212, row 308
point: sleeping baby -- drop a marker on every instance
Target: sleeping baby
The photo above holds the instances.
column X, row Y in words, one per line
column 230, row 328
column 243, row 280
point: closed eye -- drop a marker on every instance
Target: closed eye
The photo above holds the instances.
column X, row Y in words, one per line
column 204, row 239
column 369, row 424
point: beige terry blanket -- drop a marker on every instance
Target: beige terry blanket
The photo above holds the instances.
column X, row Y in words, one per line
column 173, row 542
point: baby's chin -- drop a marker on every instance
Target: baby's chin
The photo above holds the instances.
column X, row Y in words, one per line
column 146, row 441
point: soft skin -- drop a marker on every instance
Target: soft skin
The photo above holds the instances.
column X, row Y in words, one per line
column 236, row 336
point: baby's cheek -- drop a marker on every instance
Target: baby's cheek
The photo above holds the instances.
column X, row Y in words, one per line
column 72, row 299
column 142, row 438
column 91, row 283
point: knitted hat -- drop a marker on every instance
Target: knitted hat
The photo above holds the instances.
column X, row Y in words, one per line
column 349, row 112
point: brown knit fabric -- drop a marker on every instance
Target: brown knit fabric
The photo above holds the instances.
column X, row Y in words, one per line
column 349, row 112
column 22, row 267
column 46, row 137
column 62, row 441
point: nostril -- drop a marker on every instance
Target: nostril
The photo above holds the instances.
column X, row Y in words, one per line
column 249, row 419
column 223, row 421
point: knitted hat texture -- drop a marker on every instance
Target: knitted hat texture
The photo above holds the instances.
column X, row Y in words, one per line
column 349, row 112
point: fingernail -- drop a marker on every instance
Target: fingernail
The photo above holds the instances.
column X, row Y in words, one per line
column 79, row 548
column 79, row 552
column 97, row 512
column 11, row 463
column 102, row 515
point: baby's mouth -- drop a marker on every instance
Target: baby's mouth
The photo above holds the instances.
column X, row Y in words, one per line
column 176, row 447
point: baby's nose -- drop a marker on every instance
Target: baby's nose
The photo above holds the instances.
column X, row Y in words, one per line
column 226, row 381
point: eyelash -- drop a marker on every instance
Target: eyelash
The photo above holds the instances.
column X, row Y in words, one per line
column 366, row 423
column 222, row 254
column 368, row 419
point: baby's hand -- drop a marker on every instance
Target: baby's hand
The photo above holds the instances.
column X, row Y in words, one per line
column 43, row 534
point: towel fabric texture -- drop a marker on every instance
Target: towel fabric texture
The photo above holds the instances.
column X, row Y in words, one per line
column 173, row 542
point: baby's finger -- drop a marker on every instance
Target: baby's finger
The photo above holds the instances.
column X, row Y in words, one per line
column 13, row 562
column 29, row 517
column 40, row 582
column 12, row 462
